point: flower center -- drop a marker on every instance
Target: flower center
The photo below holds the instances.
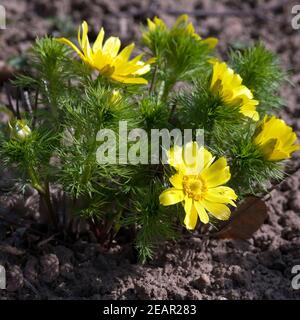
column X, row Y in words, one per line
column 194, row 187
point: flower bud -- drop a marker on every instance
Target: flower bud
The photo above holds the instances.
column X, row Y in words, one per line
column 20, row 130
column 115, row 96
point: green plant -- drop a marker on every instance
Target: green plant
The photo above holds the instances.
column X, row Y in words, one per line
column 56, row 142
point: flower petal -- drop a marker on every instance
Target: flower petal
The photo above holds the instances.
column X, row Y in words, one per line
column 191, row 218
column 188, row 203
column 176, row 180
column 72, row 45
column 220, row 194
column 129, row 80
column 124, row 55
column 218, row 210
column 99, row 41
column 217, row 174
column 211, row 42
column 112, row 46
column 171, row 196
column 85, row 44
column 201, row 212
column 144, row 68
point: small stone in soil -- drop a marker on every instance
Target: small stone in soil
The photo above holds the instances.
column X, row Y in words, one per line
column 49, row 267
column 15, row 278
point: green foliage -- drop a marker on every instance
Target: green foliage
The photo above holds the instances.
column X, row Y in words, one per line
column 179, row 55
column 261, row 73
column 156, row 222
column 73, row 104
column 251, row 173
column 154, row 113
column 202, row 109
column 32, row 156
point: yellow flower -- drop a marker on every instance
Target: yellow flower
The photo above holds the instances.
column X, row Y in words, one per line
column 275, row 139
column 229, row 86
column 198, row 184
column 181, row 26
column 106, row 57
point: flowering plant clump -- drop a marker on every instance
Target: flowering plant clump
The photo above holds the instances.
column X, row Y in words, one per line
column 110, row 131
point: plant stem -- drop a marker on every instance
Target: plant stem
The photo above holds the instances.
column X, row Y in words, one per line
column 169, row 84
column 172, row 112
column 34, row 180
column 52, row 101
column 153, row 80
column 161, row 91
column 91, row 154
column 47, row 197
column 44, row 193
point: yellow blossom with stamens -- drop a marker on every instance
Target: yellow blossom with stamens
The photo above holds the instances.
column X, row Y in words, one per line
column 199, row 184
column 275, row 139
column 229, row 86
column 107, row 59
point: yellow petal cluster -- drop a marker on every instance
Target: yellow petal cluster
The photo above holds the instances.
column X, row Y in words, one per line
column 275, row 139
column 198, row 184
column 229, row 86
column 107, row 59
column 181, row 26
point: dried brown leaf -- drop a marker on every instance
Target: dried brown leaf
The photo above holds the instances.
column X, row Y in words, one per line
column 245, row 220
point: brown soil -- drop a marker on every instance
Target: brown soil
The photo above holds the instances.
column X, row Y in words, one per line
column 192, row 267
